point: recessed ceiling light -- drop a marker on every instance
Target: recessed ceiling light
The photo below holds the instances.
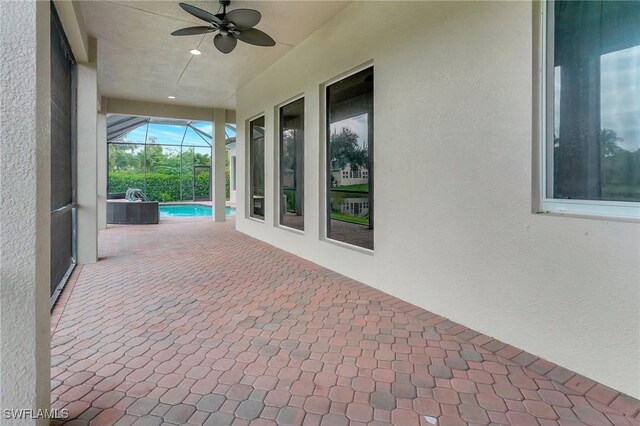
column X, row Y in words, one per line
column 195, row 52
column 171, row 97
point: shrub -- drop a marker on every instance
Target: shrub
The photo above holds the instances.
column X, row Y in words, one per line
column 161, row 186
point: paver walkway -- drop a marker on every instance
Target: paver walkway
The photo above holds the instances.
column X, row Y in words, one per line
column 193, row 322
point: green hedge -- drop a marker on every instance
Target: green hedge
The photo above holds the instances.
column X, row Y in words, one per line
column 159, row 186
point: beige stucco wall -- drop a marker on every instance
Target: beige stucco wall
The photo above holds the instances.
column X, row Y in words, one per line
column 87, row 163
column 453, row 144
column 25, row 206
column 153, row 109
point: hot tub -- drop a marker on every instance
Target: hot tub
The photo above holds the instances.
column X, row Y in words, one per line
column 123, row 212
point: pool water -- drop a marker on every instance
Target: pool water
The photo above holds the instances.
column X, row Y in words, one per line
column 189, row 210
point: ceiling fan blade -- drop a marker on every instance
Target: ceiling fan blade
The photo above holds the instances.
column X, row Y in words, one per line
column 255, row 37
column 243, row 18
column 225, row 43
column 201, row 14
column 193, row 31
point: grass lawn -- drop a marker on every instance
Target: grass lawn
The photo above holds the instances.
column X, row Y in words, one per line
column 363, row 187
column 352, row 219
column 621, row 192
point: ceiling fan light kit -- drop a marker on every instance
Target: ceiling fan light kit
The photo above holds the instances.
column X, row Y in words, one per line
column 235, row 25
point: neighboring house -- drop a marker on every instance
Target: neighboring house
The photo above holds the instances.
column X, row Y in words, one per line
column 356, row 206
column 348, row 176
column 288, row 180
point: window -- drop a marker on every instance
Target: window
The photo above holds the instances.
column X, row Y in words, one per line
column 292, row 165
column 591, row 151
column 256, row 168
column 349, row 104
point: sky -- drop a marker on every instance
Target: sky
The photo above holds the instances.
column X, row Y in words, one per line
column 358, row 125
column 620, row 95
column 173, row 134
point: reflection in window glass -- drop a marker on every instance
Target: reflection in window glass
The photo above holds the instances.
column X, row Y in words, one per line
column 256, row 168
column 596, row 87
column 350, row 159
column 292, row 165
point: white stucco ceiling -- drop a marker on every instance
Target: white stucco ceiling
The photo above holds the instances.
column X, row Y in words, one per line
column 139, row 59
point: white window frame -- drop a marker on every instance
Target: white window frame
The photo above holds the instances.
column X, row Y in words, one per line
column 546, row 203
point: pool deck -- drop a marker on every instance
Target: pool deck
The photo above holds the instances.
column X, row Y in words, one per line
column 192, row 322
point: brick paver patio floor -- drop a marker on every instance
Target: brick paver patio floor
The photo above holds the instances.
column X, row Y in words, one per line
column 193, row 322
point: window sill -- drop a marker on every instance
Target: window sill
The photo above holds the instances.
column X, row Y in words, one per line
column 591, row 209
column 254, row 219
column 348, row 246
column 289, row 229
column 592, row 216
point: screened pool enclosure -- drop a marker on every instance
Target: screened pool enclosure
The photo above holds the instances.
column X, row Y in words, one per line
column 168, row 159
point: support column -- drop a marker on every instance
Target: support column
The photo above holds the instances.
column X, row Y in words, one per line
column 87, row 158
column 219, row 157
column 25, row 206
column 102, row 170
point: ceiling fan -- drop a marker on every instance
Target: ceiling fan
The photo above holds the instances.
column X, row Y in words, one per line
column 233, row 26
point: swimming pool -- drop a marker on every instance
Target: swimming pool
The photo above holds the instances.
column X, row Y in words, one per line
column 190, row 210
